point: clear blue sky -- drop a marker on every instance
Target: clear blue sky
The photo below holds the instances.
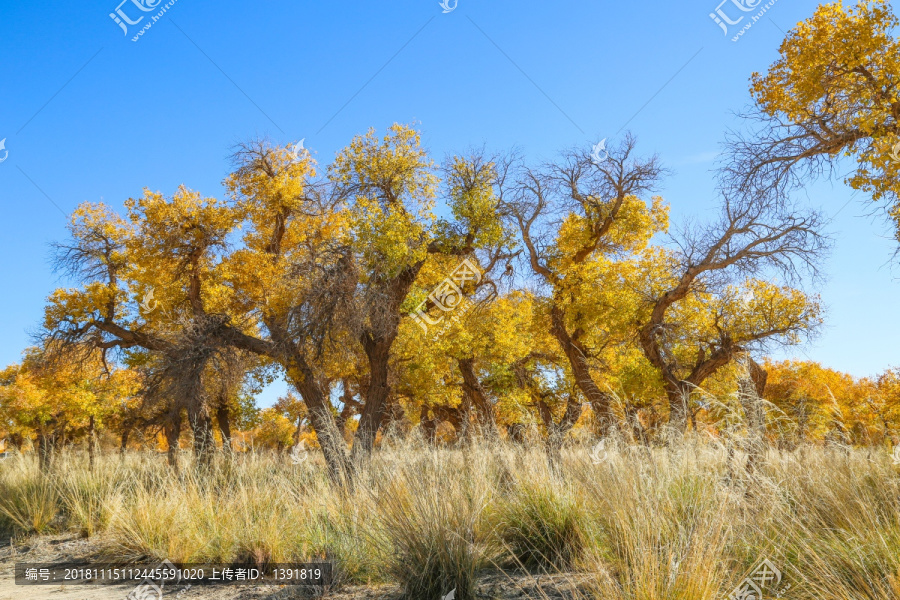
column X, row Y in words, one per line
column 88, row 114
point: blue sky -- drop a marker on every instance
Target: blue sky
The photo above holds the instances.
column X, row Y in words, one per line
column 89, row 114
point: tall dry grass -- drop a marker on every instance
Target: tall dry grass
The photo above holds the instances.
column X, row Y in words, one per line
column 678, row 523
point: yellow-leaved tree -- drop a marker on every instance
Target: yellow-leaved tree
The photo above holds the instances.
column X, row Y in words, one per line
column 55, row 399
column 832, row 93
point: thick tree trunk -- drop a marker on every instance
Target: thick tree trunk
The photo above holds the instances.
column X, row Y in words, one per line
column 224, row 421
column 202, row 430
column 679, row 395
column 600, row 401
column 475, row 392
column 758, row 375
column 372, row 414
column 384, row 324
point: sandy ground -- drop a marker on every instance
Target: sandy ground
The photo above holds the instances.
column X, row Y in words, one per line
column 63, row 548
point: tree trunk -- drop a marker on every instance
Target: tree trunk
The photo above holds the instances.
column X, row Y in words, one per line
column 372, row 414
column 48, row 442
column 475, row 392
column 334, row 449
column 384, row 324
column 758, row 376
column 173, row 432
column 202, row 430
column 126, row 431
column 600, row 401
column 754, row 412
column 679, row 395
column 224, row 421
column 556, row 432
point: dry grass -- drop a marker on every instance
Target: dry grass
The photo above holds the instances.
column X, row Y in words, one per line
column 669, row 524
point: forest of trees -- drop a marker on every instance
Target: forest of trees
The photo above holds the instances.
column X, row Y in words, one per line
column 479, row 294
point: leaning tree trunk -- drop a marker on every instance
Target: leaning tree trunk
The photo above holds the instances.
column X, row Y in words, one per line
column 334, row 449
column 600, row 401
